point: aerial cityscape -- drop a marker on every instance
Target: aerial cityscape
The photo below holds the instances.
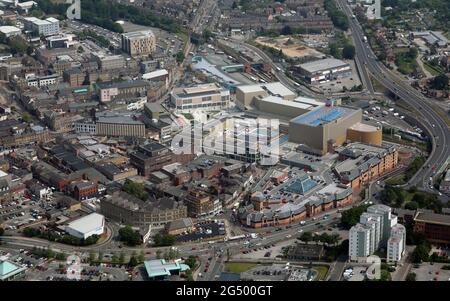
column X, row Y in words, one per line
column 225, row 140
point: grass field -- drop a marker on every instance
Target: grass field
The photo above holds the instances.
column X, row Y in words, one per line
column 323, row 271
column 377, row 86
column 396, row 180
column 238, row 267
column 433, row 70
column 188, row 116
column 441, row 113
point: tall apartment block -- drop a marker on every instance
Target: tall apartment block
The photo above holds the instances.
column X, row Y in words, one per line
column 139, row 43
column 359, row 242
column 377, row 228
column 396, row 244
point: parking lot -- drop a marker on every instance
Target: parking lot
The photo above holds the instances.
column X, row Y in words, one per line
column 258, row 249
column 278, row 272
column 16, row 215
column 431, row 272
column 337, row 86
column 205, row 230
column 387, row 116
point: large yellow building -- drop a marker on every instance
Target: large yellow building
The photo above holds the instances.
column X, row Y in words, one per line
column 365, row 133
column 323, row 128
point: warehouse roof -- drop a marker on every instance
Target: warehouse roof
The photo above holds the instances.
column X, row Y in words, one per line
column 88, row 223
column 9, row 29
column 287, row 103
column 433, row 218
column 250, row 88
column 277, row 88
column 154, row 74
column 324, row 64
column 310, row 101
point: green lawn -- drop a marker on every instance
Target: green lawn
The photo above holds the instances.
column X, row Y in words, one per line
column 441, row 113
column 396, row 180
column 323, row 271
column 377, row 86
column 188, row 116
column 432, row 69
column 238, row 267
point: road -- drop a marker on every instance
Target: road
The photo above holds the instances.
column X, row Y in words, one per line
column 337, row 269
column 195, row 248
column 433, row 122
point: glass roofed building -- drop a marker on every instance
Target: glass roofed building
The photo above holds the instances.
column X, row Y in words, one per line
column 160, row 269
column 302, row 185
column 10, row 270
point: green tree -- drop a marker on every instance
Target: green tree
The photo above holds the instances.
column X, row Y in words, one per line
column 129, row 236
column 286, row 30
column 61, row 256
column 122, row 258
column 348, row 52
column 158, row 254
column 114, row 259
column 420, row 253
column 351, row 216
column 306, row 237
column 49, row 253
column 135, row 189
column 412, row 205
column 26, row 117
column 179, row 56
column 191, row 261
column 189, row 276
column 92, row 257
column 385, row 275
column 335, row 51
column 411, row 277
column 141, row 257
column 163, row 239
column 17, row 45
column 133, row 261
column 440, row 82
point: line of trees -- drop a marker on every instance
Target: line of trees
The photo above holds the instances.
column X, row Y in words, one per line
column 338, row 17
column 65, row 239
column 324, row 238
column 105, row 14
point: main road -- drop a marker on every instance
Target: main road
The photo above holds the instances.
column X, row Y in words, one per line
column 434, row 123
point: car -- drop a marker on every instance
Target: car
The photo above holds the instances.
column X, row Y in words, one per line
column 288, row 236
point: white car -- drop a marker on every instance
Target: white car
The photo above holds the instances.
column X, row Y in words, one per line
column 288, row 236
